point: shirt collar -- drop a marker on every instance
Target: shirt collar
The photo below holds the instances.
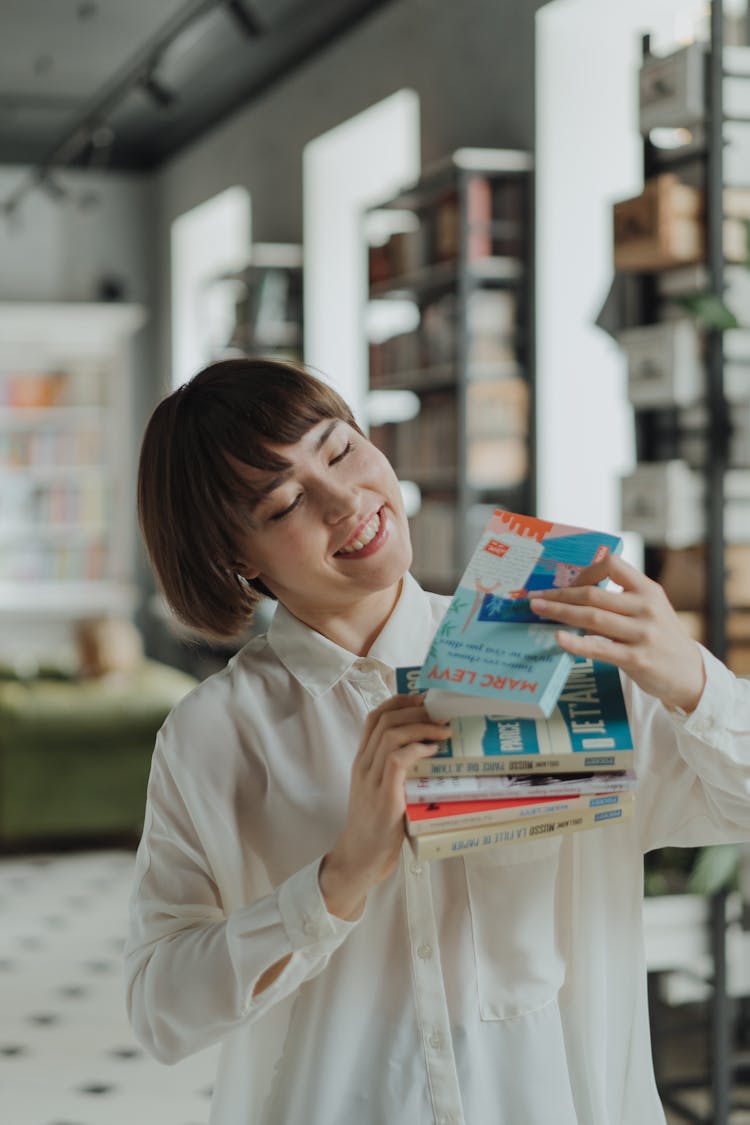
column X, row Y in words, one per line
column 318, row 663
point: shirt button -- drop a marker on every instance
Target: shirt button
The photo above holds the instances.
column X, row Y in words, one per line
column 416, row 868
column 309, row 927
column 436, row 1040
column 425, row 952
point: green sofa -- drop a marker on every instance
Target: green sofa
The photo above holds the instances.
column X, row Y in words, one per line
column 75, row 754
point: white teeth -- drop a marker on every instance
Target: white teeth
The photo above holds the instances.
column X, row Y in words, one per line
column 366, row 536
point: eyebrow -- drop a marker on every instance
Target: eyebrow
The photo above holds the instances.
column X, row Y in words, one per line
column 278, row 479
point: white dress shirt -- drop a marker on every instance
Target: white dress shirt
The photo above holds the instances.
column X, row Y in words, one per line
column 505, row 988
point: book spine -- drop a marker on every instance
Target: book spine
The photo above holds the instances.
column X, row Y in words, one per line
column 528, row 814
column 440, row 790
column 469, row 841
column 579, row 762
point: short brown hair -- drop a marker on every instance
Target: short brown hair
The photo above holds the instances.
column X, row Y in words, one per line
column 193, row 504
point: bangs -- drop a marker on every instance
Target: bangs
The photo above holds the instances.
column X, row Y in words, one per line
column 236, row 422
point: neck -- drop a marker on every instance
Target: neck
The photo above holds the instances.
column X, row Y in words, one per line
column 358, row 627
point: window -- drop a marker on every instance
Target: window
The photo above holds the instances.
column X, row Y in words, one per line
column 209, row 240
column 359, row 163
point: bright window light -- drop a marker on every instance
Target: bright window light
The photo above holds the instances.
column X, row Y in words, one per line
column 358, row 164
column 585, row 45
column 206, row 242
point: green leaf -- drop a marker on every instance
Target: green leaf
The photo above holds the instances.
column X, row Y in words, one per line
column 708, row 311
column 715, row 868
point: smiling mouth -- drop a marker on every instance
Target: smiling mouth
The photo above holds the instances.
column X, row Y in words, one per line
column 369, row 536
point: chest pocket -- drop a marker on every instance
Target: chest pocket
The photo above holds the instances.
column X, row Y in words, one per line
column 512, row 894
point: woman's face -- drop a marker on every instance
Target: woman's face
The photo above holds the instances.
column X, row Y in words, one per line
column 331, row 531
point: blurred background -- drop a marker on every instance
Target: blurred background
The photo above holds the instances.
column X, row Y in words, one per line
column 514, row 235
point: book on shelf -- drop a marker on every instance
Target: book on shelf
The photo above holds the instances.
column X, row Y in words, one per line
column 447, row 842
column 491, row 654
column 488, row 787
column 587, row 732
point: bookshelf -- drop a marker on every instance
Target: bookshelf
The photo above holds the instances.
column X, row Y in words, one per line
column 450, row 329
column 67, row 518
column 683, row 249
column 264, row 303
column 681, row 253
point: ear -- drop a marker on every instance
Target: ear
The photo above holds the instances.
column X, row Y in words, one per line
column 243, row 570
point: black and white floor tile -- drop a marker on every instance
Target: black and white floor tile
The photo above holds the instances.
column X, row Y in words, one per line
column 67, row 1054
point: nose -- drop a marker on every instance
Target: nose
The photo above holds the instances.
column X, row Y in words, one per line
column 341, row 501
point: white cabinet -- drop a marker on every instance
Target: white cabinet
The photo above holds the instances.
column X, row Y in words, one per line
column 67, row 509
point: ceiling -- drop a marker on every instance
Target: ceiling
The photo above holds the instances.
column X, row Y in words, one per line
column 127, row 83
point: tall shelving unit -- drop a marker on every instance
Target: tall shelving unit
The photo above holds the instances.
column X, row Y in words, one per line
column 455, row 272
column 688, row 358
column 684, row 247
column 67, row 513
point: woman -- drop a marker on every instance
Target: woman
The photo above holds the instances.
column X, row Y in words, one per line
column 276, row 907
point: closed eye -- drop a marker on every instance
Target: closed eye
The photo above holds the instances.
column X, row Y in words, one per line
column 286, row 511
column 344, row 453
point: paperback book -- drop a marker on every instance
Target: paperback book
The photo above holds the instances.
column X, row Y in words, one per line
column 588, row 732
column 468, row 841
column 488, row 787
column 491, row 654
column 422, row 820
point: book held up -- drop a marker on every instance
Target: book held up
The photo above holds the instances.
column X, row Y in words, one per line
column 491, row 654
column 540, row 742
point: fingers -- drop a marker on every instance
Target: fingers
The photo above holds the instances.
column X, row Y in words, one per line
column 404, row 744
column 597, row 648
column 394, row 724
column 392, row 766
column 594, row 610
column 393, row 703
column 615, row 568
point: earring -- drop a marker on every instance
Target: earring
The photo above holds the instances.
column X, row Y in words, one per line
column 243, row 581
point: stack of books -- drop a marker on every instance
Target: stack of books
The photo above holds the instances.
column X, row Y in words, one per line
column 540, row 743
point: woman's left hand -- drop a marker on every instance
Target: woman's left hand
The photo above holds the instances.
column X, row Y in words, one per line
column 635, row 628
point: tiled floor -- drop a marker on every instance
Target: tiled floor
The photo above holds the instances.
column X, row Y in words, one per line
column 67, row 1054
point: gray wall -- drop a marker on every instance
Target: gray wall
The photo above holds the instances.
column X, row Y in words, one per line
column 60, row 250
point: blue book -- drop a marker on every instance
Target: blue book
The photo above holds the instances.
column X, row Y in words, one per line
column 491, row 654
column 587, row 732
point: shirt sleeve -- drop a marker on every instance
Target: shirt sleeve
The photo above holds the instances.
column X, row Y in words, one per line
column 693, row 770
column 190, row 967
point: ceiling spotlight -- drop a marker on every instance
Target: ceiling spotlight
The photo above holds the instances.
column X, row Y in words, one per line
column 163, row 97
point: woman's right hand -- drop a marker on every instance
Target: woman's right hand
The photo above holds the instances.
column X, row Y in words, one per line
column 396, row 735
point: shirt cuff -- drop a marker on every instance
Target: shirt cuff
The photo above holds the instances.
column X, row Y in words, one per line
column 714, row 705
column 304, row 915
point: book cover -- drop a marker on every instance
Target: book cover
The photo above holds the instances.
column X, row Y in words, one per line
column 423, row 820
column 487, row 787
column 491, row 654
column 588, row 732
column 469, row 841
